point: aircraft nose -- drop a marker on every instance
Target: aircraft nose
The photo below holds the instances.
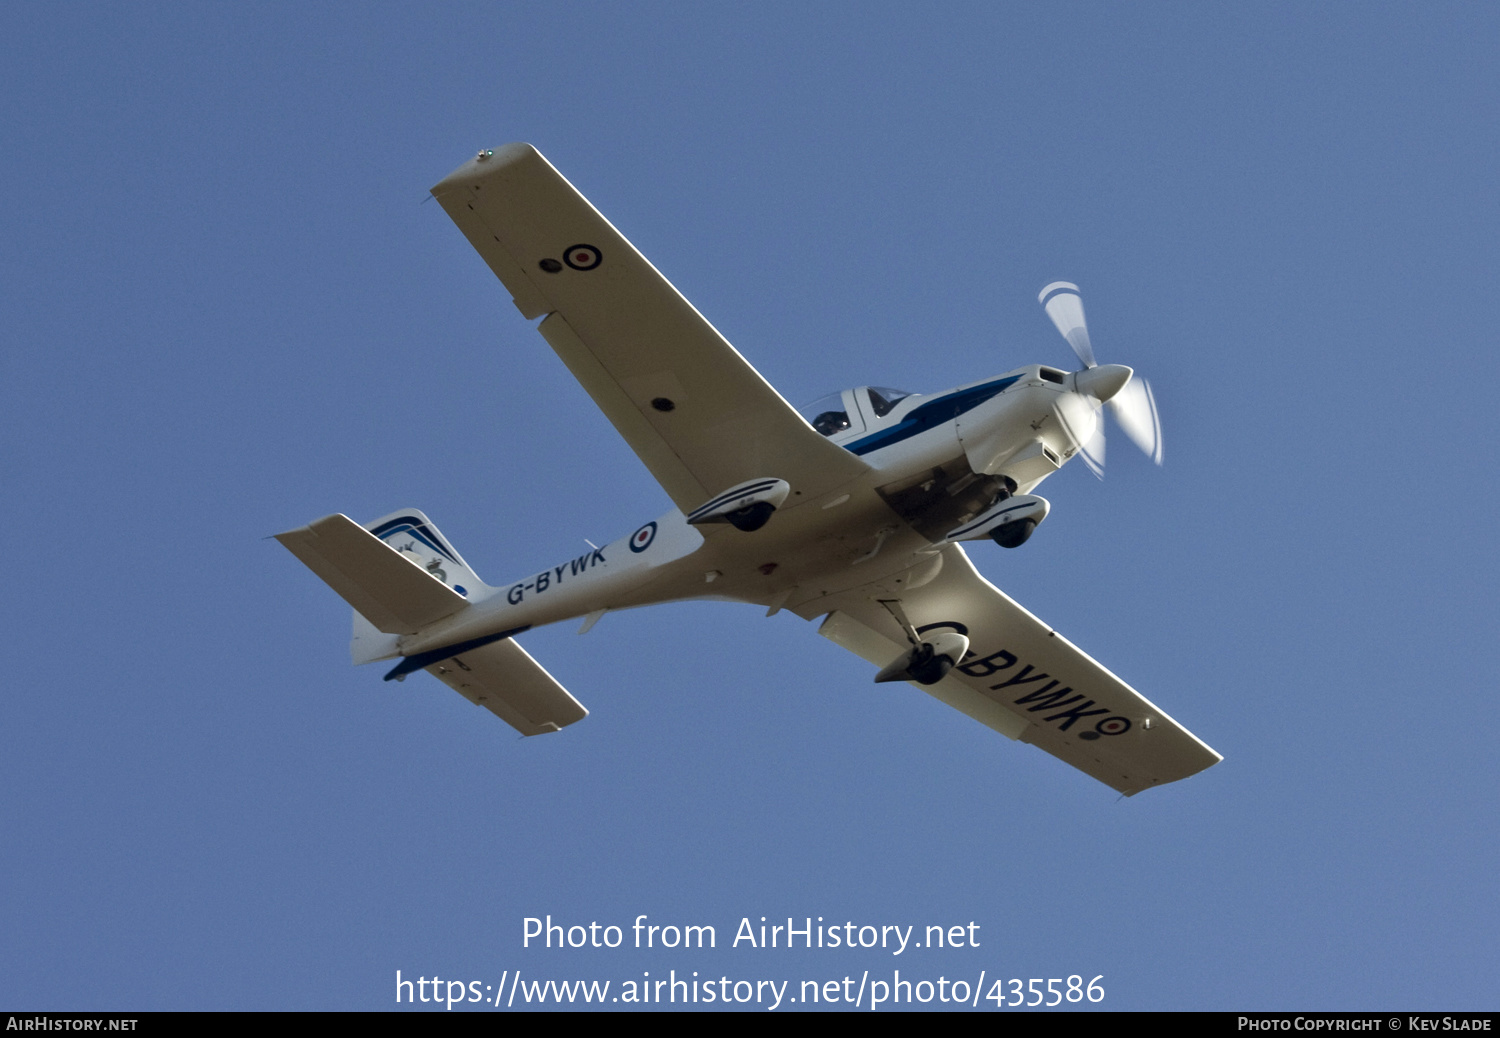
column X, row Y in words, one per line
column 1103, row 381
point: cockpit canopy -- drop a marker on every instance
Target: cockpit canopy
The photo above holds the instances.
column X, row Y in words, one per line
column 851, row 410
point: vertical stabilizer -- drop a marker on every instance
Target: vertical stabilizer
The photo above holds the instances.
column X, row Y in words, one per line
column 411, row 533
column 414, row 535
column 369, row 643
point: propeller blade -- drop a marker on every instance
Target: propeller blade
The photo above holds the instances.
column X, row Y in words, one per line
column 1129, row 399
column 1134, row 407
column 1065, row 306
column 1093, row 451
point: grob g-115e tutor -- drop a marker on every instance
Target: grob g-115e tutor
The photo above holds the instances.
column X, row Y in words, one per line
column 854, row 510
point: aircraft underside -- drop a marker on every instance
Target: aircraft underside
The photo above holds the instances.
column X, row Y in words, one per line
column 853, row 514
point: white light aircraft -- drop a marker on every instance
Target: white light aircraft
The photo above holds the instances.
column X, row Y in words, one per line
column 853, row 511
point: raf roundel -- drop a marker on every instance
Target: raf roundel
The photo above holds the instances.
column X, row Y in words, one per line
column 1112, row 726
column 582, row 257
column 642, row 538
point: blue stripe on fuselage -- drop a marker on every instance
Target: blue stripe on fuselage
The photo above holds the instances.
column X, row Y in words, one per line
column 932, row 414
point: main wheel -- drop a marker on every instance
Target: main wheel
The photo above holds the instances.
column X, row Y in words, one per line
column 1013, row 535
column 930, row 671
column 751, row 517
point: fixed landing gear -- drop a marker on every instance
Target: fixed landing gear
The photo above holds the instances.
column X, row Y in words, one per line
column 1009, row 521
column 1013, row 534
column 927, row 667
column 751, row 517
column 929, row 659
column 746, row 506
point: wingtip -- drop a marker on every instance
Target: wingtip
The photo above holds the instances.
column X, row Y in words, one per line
column 485, row 163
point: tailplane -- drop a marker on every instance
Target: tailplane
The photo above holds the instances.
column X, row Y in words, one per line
column 399, row 574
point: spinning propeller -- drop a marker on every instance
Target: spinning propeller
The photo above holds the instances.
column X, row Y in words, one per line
column 1129, row 399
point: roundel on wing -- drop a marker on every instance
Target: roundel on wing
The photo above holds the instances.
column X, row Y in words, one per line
column 642, row 538
column 1112, row 726
column 582, row 257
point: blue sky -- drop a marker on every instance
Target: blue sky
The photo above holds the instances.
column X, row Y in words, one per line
column 228, row 312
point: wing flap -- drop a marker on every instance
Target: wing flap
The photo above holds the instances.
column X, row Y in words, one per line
column 623, row 413
column 1064, row 701
column 503, row 678
column 393, row 593
column 696, row 412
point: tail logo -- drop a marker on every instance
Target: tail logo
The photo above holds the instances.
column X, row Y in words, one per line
column 409, row 524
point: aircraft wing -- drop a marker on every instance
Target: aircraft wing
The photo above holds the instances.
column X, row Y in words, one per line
column 699, row 416
column 1023, row 679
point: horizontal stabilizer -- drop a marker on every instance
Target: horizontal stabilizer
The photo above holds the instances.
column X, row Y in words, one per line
column 389, row 590
column 504, row 679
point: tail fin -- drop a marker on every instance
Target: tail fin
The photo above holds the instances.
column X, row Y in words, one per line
column 414, row 535
column 400, row 575
column 368, row 643
column 417, row 537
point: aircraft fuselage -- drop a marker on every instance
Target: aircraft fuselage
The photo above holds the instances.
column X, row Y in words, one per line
column 936, row 461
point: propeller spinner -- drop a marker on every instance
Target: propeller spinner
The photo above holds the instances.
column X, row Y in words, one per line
column 1129, row 399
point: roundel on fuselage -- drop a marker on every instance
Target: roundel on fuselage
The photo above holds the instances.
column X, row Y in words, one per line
column 642, row 538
